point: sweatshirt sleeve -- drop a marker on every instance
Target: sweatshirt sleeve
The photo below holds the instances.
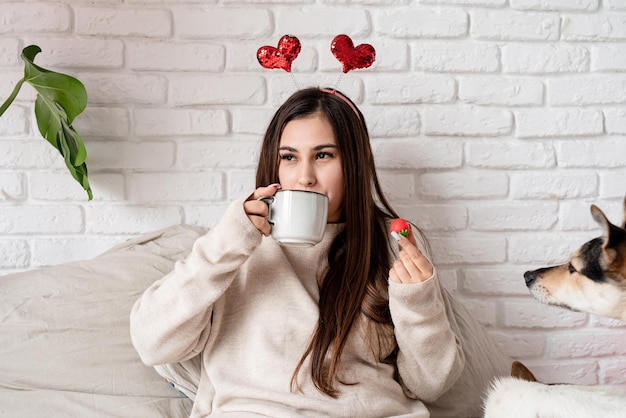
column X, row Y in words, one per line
column 171, row 321
column 430, row 357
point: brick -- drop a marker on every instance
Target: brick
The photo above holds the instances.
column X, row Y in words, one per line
column 110, row 155
column 57, row 54
column 175, row 56
column 612, row 184
column 447, row 56
column 553, row 185
column 581, row 372
column 576, row 215
column 15, row 253
column 438, row 217
column 529, row 313
column 464, row 185
column 53, row 251
column 597, row 90
column 320, row 22
column 512, row 25
column 419, row 22
column 390, row 121
column 53, row 186
column 495, row 281
column 208, row 89
column 466, row 121
column 41, row 219
column 613, row 371
column 8, row 81
column 102, row 122
column 520, row 344
column 178, row 186
column 209, row 22
column 542, row 250
column 218, row 154
column 512, row 216
column 614, row 4
column 397, row 186
column 601, row 27
column 468, row 250
column 130, row 219
column 418, row 88
column 123, row 22
column 604, row 153
column 14, row 121
column 510, row 154
column 11, row 186
column 555, row 5
column 124, row 89
column 180, row 122
column 391, row 55
column 241, row 183
column 409, row 154
column 9, row 52
column 555, row 122
column 586, row 343
column 467, row 2
column 608, row 57
column 615, row 120
column 501, row 91
column 544, row 59
column 20, row 17
column 251, row 120
column 29, row 154
column 483, row 310
column 204, row 215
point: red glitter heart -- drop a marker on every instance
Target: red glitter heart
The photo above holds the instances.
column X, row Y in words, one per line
column 281, row 57
column 350, row 57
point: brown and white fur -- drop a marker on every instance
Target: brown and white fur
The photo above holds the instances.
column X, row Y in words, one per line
column 593, row 281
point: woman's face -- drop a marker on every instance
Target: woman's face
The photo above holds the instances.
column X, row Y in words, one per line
column 310, row 160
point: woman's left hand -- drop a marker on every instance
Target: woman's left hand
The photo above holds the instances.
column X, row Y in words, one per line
column 411, row 265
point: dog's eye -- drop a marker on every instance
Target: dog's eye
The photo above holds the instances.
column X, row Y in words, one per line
column 571, row 268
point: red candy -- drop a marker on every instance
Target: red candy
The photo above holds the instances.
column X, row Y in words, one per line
column 401, row 227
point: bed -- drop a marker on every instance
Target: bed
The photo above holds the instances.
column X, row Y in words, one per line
column 66, row 352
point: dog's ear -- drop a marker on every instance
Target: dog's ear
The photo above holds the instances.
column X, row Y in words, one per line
column 613, row 235
column 520, row 371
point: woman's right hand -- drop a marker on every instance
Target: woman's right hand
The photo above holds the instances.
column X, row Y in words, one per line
column 257, row 210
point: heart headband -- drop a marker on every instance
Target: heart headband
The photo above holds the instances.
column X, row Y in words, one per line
column 342, row 47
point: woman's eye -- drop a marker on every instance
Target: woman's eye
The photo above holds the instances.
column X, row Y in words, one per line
column 287, row 157
column 571, row 268
column 323, row 155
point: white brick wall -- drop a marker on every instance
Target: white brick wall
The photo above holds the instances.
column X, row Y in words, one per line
column 495, row 125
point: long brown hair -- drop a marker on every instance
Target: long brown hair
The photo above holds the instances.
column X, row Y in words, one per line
column 355, row 282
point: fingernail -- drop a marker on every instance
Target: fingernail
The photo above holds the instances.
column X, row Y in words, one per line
column 396, row 236
column 276, row 185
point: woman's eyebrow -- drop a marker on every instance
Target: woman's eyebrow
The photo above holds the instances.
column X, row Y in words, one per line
column 316, row 148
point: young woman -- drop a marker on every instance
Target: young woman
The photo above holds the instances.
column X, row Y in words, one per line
column 355, row 326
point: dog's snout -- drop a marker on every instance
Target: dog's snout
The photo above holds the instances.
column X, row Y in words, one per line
column 530, row 277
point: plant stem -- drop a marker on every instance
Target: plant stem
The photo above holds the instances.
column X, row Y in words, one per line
column 8, row 101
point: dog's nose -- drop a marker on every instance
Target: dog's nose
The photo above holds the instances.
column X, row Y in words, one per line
column 530, row 277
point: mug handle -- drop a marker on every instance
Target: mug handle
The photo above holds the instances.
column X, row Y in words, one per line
column 268, row 200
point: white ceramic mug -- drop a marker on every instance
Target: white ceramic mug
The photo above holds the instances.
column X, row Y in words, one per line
column 298, row 217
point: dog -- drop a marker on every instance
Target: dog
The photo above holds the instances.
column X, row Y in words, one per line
column 592, row 281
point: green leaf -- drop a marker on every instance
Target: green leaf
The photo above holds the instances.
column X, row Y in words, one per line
column 60, row 98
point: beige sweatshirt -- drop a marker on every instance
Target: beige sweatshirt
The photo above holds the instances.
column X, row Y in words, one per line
column 249, row 307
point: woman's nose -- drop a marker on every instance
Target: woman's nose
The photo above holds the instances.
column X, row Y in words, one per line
column 307, row 176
